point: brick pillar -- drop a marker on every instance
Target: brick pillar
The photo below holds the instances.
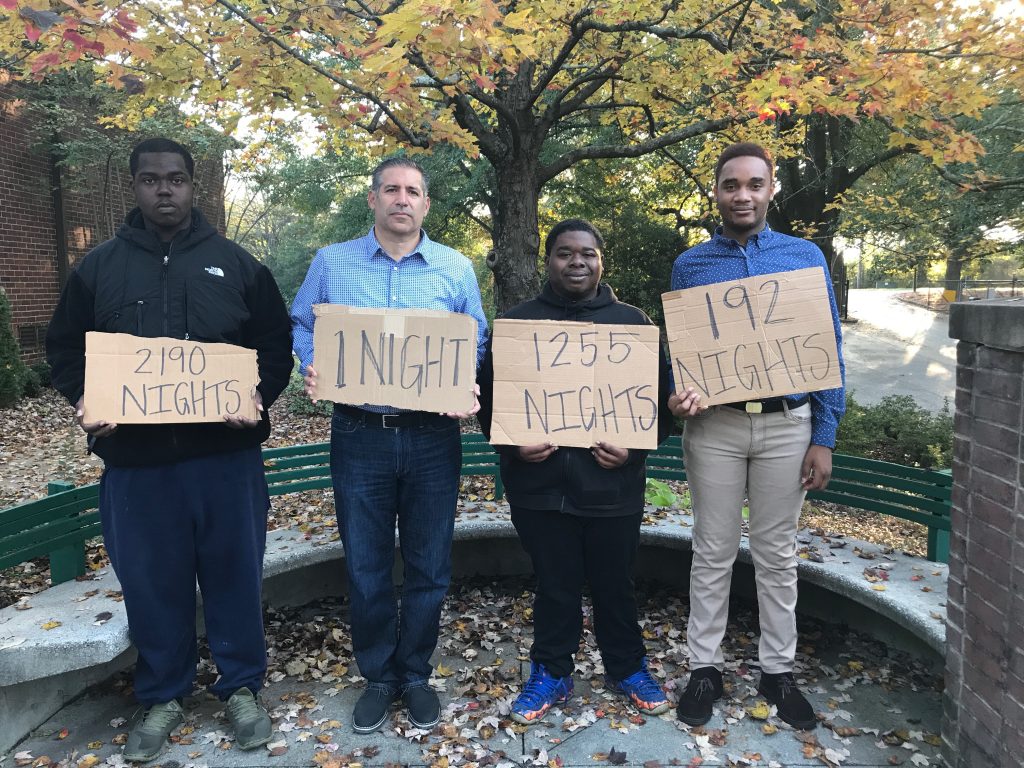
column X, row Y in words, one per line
column 983, row 723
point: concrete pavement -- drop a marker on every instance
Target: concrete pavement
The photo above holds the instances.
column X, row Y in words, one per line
column 896, row 348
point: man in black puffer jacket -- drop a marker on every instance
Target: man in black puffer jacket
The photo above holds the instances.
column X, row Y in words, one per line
column 578, row 510
column 180, row 502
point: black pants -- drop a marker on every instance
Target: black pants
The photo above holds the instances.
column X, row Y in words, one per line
column 567, row 551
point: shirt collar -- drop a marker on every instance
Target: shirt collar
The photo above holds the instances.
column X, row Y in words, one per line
column 373, row 246
column 759, row 237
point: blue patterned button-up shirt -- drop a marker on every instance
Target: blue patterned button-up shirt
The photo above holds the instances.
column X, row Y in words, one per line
column 722, row 259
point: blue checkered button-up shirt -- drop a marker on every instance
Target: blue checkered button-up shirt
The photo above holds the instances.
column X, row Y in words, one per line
column 721, row 259
column 359, row 273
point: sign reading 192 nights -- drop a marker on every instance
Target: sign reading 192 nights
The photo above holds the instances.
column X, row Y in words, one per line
column 135, row 380
column 755, row 338
column 574, row 384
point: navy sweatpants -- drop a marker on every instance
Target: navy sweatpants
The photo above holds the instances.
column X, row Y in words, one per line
column 167, row 526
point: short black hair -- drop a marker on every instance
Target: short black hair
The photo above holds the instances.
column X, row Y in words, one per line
column 399, row 161
column 571, row 225
column 160, row 144
column 745, row 149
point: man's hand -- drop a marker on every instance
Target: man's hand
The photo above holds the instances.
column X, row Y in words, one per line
column 310, row 383
column 241, row 422
column 96, row 428
column 471, row 411
column 816, row 470
column 609, row 456
column 685, row 405
column 536, row 453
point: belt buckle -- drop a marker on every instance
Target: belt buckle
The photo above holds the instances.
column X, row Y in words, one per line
column 753, row 406
column 384, row 420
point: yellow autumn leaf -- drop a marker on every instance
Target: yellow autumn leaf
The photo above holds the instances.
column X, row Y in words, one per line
column 760, row 711
column 88, row 761
column 50, row 625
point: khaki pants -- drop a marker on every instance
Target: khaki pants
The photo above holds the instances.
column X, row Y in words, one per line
column 729, row 454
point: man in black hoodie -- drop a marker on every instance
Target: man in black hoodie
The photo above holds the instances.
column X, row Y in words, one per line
column 180, row 502
column 578, row 510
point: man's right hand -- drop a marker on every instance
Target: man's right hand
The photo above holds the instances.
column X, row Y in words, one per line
column 536, row 453
column 310, row 383
column 96, row 428
column 685, row 405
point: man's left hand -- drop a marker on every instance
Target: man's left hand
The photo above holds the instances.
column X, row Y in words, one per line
column 609, row 456
column 471, row 411
column 816, row 470
column 241, row 422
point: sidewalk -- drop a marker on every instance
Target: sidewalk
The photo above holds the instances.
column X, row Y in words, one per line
column 879, row 707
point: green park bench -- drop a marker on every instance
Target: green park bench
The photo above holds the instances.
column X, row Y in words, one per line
column 58, row 525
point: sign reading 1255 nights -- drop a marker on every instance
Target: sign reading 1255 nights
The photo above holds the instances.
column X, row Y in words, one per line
column 574, row 384
column 755, row 338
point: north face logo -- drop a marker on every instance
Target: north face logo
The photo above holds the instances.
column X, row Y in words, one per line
column 215, row 271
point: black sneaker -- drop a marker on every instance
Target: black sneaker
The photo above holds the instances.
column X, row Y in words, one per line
column 423, row 705
column 372, row 708
column 792, row 707
column 702, row 691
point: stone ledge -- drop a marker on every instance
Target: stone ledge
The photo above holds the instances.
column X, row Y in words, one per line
column 40, row 670
column 996, row 323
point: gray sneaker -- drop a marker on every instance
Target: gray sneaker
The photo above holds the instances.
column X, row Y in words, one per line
column 149, row 730
column 249, row 719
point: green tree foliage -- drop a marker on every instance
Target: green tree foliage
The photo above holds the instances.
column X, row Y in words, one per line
column 14, row 374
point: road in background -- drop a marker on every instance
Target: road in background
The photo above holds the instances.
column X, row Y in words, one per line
column 897, row 348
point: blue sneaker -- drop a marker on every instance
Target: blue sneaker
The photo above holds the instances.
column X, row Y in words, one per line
column 540, row 692
column 642, row 689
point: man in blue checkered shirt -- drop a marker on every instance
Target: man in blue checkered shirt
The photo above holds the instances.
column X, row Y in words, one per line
column 388, row 464
column 769, row 452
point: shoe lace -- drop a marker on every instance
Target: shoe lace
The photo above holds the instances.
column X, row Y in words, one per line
column 539, row 689
column 786, row 684
column 242, row 708
column 705, row 687
column 383, row 690
column 160, row 717
column 644, row 684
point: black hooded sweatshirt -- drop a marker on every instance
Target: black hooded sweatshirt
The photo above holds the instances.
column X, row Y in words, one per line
column 571, row 480
column 202, row 287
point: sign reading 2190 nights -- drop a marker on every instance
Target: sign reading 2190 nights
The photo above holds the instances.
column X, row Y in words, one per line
column 755, row 338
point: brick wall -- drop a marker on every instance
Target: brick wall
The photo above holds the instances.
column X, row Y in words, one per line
column 983, row 722
column 92, row 203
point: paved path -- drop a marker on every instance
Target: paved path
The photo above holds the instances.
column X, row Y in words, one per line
column 898, row 349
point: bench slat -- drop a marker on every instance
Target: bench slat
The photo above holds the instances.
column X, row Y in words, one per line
column 856, row 493
column 46, row 525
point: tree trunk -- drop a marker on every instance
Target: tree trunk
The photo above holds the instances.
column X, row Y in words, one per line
column 954, row 266
column 514, row 259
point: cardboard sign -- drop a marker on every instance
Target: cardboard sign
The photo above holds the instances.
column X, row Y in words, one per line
column 419, row 359
column 135, row 380
column 574, row 384
column 752, row 339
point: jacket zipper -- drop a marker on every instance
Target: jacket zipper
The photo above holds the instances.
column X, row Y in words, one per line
column 167, row 258
column 138, row 317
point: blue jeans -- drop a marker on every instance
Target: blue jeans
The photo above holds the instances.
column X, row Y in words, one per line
column 410, row 474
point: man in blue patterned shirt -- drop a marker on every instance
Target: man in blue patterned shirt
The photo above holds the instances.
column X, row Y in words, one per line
column 388, row 464
column 770, row 452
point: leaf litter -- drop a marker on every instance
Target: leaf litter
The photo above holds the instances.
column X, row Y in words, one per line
column 485, row 640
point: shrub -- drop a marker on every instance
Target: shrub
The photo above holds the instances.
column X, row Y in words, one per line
column 42, row 372
column 13, row 371
column 297, row 403
column 898, row 430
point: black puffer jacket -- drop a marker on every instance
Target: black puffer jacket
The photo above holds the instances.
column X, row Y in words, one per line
column 571, row 480
column 209, row 289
